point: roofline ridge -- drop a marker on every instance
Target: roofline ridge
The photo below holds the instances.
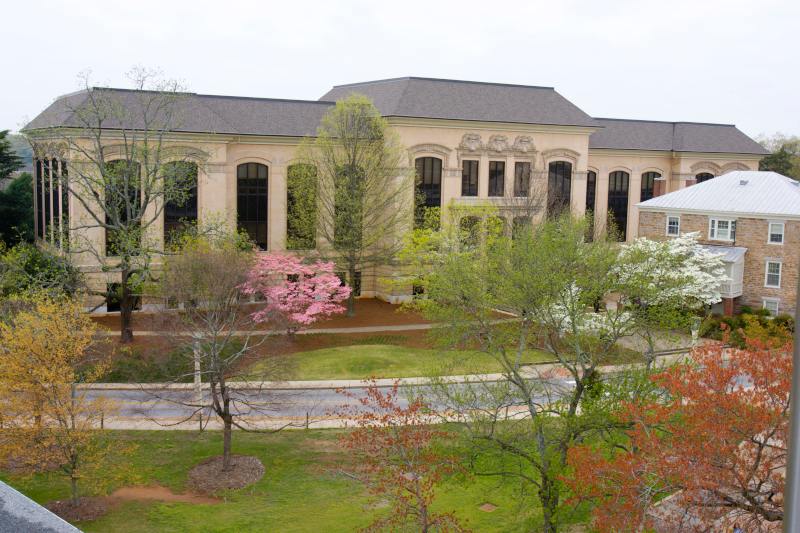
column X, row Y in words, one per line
column 409, row 78
column 664, row 122
column 199, row 95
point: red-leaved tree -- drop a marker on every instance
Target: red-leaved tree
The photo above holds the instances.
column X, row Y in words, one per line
column 298, row 291
column 710, row 456
column 396, row 452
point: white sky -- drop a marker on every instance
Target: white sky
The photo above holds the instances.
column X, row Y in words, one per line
column 726, row 61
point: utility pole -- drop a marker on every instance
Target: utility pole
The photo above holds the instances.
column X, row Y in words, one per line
column 791, row 493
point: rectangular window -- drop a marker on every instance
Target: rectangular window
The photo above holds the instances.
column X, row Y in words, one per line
column 469, row 178
column 772, row 307
column 497, row 178
column 773, row 274
column 722, row 230
column 673, row 225
column 776, row 233
column 522, row 179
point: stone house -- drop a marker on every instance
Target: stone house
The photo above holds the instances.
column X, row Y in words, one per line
column 751, row 217
column 470, row 142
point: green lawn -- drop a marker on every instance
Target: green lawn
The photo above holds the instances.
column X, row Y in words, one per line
column 290, row 497
column 359, row 362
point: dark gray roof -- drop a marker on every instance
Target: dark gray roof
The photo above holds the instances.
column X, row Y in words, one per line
column 467, row 100
column 620, row 134
column 20, row 514
column 200, row 113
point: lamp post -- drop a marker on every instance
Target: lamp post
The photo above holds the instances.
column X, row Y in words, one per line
column 791, row 493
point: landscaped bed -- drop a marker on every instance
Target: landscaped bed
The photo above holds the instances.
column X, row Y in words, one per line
column 290, row 497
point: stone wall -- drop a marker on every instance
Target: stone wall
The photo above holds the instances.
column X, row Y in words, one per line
column 751, row 233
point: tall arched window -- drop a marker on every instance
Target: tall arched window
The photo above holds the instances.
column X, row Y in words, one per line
column 559, row 185
column 251, row 201
column 429, row 170
column 591, row 199
column 300, row 208
column 182, row 211
column 648, row 185
column 55, row 188
column 122, row 196
column 496, row 227
column 39, row 199
column 618, row 201
column 704, row 176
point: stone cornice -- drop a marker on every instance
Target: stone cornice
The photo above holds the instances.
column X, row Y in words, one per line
column 609, row 152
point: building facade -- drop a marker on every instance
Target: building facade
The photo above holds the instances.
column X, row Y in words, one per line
column 751, row 217
column 469, row 142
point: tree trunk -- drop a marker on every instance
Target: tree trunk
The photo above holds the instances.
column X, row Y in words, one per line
column 351, row 300
column 75, row 500
column 548, row 496
column 226, row 445
column 126, row 309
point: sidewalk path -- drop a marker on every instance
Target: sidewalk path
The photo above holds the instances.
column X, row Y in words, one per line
column 367, row 329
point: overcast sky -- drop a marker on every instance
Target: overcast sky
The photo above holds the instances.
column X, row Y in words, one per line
column 723, row 61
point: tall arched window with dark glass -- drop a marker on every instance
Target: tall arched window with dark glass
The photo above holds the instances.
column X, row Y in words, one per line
column 251, row 201
column 559, row 187
column 648, row 185
column 429, row 170
column 704, row 176
column 591, row 200
column 300, row 208
column 182, row 210
column 618, row 185
column 39, row 199
column 122, row 200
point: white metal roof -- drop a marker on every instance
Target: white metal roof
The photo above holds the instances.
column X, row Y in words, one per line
column 732, row 253
column 765, row 194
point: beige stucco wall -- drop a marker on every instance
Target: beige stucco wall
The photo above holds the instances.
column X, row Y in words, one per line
column 449, row 141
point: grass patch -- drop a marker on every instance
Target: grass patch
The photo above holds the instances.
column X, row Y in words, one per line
column 289, row 498
column 359, row 362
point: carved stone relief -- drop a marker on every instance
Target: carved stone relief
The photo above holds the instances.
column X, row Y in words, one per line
column 561, row 152
column 707, row 165
column 430, row 148
column 498, row 143
column 730, row 167
column 471, row 142
column 523, row 143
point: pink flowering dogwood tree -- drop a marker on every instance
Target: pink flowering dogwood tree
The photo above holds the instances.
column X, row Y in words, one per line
column 296, row 293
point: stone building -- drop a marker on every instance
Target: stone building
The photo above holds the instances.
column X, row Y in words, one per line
column 751, row 217
column 469, row 141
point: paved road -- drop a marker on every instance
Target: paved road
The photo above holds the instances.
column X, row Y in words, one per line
column 158, row 409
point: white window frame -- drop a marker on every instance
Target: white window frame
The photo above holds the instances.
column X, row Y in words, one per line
column 775, row 301
column 713, row 229
column 769, row 262
column 782, row 233
column 678, row 232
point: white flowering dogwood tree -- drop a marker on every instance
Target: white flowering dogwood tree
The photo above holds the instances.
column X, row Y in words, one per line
column 542, row 289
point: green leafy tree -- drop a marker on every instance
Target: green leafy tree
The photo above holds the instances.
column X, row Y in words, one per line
column 353, row 194
column 9, row 160
column 785, row 158
column 27, row 267
column 506, row 296
column 16, row 210
column 123, row 169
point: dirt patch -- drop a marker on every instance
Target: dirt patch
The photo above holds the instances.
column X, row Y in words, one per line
column 87, row 509
column 160, row 493
column 322, row 445
column 208, row 476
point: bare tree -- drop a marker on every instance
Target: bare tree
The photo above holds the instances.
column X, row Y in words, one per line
column 114, row 155
column 352, row 194
column 213, row 327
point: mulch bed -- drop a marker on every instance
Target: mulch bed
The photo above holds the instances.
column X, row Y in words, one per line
column 87, row 509
column 208, row 476
column 370, row 312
